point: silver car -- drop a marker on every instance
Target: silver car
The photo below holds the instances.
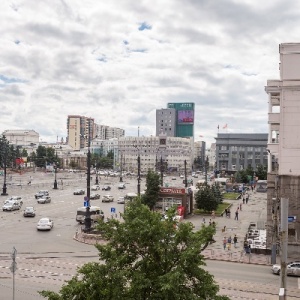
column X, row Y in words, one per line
column 29, row 211
column 43, row 200
column 45, row 224
column 11, row 205
column 292, row 268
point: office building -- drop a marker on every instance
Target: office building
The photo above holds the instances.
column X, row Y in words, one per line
column 237, row 151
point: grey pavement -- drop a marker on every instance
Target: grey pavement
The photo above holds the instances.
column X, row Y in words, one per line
column 255, row 211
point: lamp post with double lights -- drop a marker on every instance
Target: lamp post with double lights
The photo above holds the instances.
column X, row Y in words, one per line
column 55, row 172
column 138, row 171
column 4, row 144
column 121, row 168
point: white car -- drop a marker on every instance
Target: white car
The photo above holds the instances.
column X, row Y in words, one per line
column 45, row 224
column 11, row 205
column 15, row 198
column 43, row 200
column 292, row 268
column 121, row 200
column 107, row 198
column 95, row 187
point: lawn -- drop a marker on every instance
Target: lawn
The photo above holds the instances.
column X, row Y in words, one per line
column 218, row 212
column 230, row 196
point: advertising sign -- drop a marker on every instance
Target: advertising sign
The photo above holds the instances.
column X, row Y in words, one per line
column 167, row 190
column 185, row 116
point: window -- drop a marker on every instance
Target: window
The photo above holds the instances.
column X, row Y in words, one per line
column 223, row 148
column 250, row 148
column 234, row 148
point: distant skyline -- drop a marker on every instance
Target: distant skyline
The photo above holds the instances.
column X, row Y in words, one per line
column 119, row 61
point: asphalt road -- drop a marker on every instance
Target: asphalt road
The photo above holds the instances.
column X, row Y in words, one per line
column 45, row 260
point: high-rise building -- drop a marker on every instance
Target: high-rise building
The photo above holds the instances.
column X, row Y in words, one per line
column 177, row 120
column 80, row 131
column 106, row 132
column 166, row 122
column 185, row 117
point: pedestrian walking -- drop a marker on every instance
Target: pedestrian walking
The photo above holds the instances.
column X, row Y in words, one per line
column 228, row 213
column 235, row 240
column 224, row 242
column 240, row 206
column 213, row 214
column 247, row 198
column 244, row 199
column 229, row 243
column 203, row 220
column 236, row 215
column 252, row 188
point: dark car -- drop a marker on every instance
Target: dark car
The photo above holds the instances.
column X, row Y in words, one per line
column 29, row 212
column 106, row 188
column 79, row 192
column 94, row 196
column 41, row 194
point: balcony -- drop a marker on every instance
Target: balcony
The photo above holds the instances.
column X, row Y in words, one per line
column 273, row 118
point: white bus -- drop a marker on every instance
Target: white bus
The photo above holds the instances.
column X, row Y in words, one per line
column 96, row 213
column 130, row 196
column 222, row 181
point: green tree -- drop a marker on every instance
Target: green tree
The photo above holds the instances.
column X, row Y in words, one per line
column 206, row 199
column 145, row 258
column 216, row 189
column 152, row 189
column 261, row 172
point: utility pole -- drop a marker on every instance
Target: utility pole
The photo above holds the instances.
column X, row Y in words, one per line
column 185, row 175
column 161, row 172
column 121, row 173
column 87, row 219
column 275, row 211
column 139, row 175
column 284, row 208
column 13, row 268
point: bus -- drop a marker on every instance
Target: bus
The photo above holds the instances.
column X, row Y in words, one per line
column 262, row 186
column 96, row 213
column 130, row 196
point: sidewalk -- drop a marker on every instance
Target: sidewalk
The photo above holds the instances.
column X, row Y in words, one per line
column 253, row 212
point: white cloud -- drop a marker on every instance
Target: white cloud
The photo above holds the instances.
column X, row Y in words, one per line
column 89, row 57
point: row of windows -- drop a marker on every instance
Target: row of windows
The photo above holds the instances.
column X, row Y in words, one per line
column 242, row 156
column 242, row 148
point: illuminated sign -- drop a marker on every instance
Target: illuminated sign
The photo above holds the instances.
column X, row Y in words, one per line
column 185, row 116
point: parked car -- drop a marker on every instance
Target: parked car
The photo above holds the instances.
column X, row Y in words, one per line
column 41, row 193
column 173, row 178
column 106, row 188
column 95, row 187
column 292, row 268
column 43, row 200
column 29, row 211
column 121, row 186
column 181, row 176
column 45, row 224
column 107, row 198
column 79, row 192
column 15, row 198
column 11, row 205
column 94, row 196
column 121, row 200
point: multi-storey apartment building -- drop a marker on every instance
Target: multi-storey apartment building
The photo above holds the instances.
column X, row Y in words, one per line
column 80, row 131
column 237, row 151
column 166, row 121
column 104, row 132
column 284, row 147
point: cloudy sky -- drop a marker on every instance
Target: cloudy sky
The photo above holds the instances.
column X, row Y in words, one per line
column 119, row 60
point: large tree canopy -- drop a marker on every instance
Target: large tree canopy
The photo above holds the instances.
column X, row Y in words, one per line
column 145, row 258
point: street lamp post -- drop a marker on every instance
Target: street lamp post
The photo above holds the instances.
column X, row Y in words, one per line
column 4, row 189
column 139, row 175
column 87, row 220
column 121, row 165
column 55, row 181
column 161, row 172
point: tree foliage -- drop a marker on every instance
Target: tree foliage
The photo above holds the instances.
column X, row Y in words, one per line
column 145, row 258
column 152, row 189
column 247, row 175
column 206, row 199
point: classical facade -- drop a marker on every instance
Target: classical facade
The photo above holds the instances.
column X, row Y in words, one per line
column 284, row 147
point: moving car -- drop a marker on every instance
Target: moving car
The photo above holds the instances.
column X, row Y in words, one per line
column 44, row 224
column 95, row 187
column 107, row 198
column 41, row 193
column 11, row 205
column 29, row 211
column 106, row 188
column 292, row 268
column 79, row 192
column 121, row 200
column 121, row 186
column 173, row 178
column 43, row 200
column 94, row 196
column 15, row 198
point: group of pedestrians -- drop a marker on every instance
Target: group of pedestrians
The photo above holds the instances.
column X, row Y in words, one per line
column 228, row 241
